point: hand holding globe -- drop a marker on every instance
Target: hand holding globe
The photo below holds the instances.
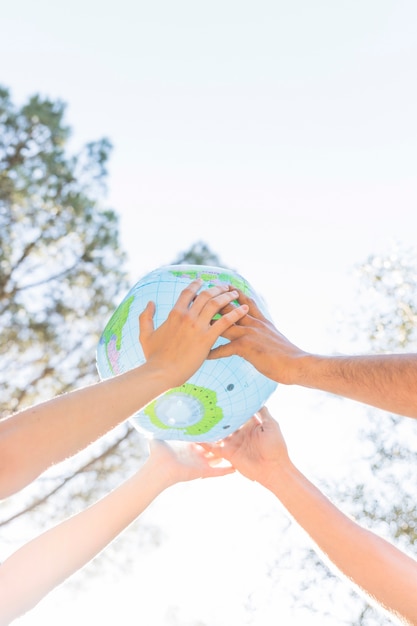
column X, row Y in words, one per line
column 191, row 313
column 218, row 396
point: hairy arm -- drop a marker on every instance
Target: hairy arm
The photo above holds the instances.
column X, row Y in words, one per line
column 387, row 382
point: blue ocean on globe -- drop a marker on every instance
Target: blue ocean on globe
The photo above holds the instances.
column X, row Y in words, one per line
column 222, row 394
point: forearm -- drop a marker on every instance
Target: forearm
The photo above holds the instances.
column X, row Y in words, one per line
column 388, row 382
column 39, row 566
column 373, row 564
column 34, row 439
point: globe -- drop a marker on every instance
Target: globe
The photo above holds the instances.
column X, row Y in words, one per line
column 222, row 394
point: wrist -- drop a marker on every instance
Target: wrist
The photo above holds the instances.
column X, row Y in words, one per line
column 307, row 370
column 157, row 475
column 163, row 377
column 278, row 476
column 155, row 379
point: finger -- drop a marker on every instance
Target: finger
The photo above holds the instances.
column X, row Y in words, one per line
column 234, row 333
column 188, row 295
column 146, row 326
column 231, row 443
column 221, row 352
column 226, row 321
column 235, row 330
column 264, row 415
column 266, row 421
column 220, row 471
column 254, row 310
column 247, row 320
column 214, row 449
column 212, row 300
column 250, row 424
column 154, row 444
column 225, row 448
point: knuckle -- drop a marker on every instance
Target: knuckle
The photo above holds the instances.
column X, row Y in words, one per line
column 189, row 290
column 186, row 317
column 175, row 314
column 215, row 290
column 205, row 295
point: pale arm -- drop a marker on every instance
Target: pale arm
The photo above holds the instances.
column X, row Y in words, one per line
column 383, row 572
column 36, row 438
column 40, row 436
column 45, row 562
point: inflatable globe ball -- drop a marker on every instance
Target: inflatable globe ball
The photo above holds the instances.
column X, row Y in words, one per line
column 221, row 396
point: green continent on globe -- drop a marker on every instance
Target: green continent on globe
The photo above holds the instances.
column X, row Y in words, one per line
column 210, row 277
column 115, row 324
column 213, row 413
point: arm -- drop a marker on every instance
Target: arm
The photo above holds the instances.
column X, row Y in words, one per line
column 34, row 439
column 386, row 574
column 45, row 562
column 388, row 382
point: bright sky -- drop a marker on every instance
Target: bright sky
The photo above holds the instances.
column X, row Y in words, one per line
column 283, row 134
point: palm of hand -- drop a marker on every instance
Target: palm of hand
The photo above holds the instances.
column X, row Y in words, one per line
column 256, row 448
column 185, row 461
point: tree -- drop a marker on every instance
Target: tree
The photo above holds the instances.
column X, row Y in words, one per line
column 386, row 499
column 61, row 266
column 199, row 254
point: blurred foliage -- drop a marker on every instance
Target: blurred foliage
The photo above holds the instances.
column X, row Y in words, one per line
column 390, row 296
column 62, row 272
column 382, row 493
column 61, row 266
column 199, row 254
column 388, row 316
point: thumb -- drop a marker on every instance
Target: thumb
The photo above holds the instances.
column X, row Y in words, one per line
column 221, row 351
column 146, row 326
